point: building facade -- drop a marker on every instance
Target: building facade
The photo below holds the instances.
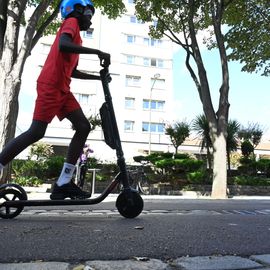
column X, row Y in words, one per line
column 141, row 88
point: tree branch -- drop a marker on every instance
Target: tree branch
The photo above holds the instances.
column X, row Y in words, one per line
column 3, row 23
column 42, row 28
column 29, row 33
column 223, row 109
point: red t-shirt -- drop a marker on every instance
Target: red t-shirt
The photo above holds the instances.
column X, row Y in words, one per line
column 58, row 66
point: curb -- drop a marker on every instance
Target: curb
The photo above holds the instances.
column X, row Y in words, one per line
column 142, row 263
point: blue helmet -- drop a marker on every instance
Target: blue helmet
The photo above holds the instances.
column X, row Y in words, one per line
column 67, row 6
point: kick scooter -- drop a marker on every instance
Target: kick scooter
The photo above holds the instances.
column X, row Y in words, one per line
column 129, row 203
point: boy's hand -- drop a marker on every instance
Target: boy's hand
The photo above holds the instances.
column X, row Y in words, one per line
column 105, row 59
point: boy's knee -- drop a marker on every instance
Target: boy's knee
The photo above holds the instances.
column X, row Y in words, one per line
column 84, row 127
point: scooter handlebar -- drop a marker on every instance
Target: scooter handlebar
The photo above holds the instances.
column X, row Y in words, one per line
column 106, row 61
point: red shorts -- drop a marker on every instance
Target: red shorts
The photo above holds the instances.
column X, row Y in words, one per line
column 53, row 102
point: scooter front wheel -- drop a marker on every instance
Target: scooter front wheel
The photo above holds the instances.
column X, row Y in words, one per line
column 7, row 195
column 129, row 203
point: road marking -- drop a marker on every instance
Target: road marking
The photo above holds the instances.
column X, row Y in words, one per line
column 144, row 212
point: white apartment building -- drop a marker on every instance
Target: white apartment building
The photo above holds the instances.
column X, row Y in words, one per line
column 141, row 87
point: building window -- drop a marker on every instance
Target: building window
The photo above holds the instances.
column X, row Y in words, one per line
column 130, row 59
column 153, row 62
column 129, row 103
column 133, row 81
column 131, row 39
column 134, row 19
column 156, row 105
column 88, row 33
column 154, row 127
column 152, row 42
column 146, row 62
column 83, row 99
column 160, row 63
column 129, row 125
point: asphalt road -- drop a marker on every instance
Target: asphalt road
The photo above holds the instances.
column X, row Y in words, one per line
column 166, row 229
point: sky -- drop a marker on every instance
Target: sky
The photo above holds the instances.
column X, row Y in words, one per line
column 248, row 95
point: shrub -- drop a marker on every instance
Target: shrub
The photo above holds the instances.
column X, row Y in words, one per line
column 263, row 165
column 197, row 177
column 188, row 165
column 181, row 156
column 28, row 181
column 54, row 166
column 251, row 181
column 247, row 148
column 29, row 168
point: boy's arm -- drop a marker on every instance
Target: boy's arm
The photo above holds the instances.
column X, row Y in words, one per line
column 77, row 74
column 67, row 46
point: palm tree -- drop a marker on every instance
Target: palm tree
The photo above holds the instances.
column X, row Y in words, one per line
column 232, row 139
column 201, row 126
column 178, row 133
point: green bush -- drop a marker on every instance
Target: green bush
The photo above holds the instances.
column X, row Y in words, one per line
column 197, row 177
column 263, row 165
column 54, row 166
column 166, row 164
column 248, row 166
column 188, row 165
column 28, row 181
column 44, row 170
column 29, row 168
column 251, row 181
column 182, row 156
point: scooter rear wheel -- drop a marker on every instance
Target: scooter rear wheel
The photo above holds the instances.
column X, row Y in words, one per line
column 129, row 203
column 6, row 195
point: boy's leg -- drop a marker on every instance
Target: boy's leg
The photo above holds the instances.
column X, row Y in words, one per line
column 18, row 144
column 64, row 187
column 82, row 130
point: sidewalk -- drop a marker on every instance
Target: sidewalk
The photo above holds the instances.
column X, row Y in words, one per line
column 184, row 263
column 42, row 193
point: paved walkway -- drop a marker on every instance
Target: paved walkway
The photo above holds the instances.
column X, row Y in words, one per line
column 184, row 263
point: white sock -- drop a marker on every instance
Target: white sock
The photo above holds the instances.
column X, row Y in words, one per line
column 66, row 174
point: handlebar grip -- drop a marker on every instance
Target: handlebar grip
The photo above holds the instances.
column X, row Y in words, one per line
column 105, row 62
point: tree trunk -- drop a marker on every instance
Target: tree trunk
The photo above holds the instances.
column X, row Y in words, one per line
column 209, row 158
column 229, row 163
column 9, row 90
column 219, row 186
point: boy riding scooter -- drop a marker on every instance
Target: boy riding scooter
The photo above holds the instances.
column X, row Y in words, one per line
column 54, row 96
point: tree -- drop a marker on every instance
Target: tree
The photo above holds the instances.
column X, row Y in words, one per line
column 201, row 127
column 178, row 133
column 13, row 53
column 251, row 135
column 182, row 21
column 249, row 34
column 232, row 139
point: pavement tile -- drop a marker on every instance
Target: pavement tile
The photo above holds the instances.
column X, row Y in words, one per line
column 35, row 266
column 215, row 263
column 150, row 264
column 264, row 259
